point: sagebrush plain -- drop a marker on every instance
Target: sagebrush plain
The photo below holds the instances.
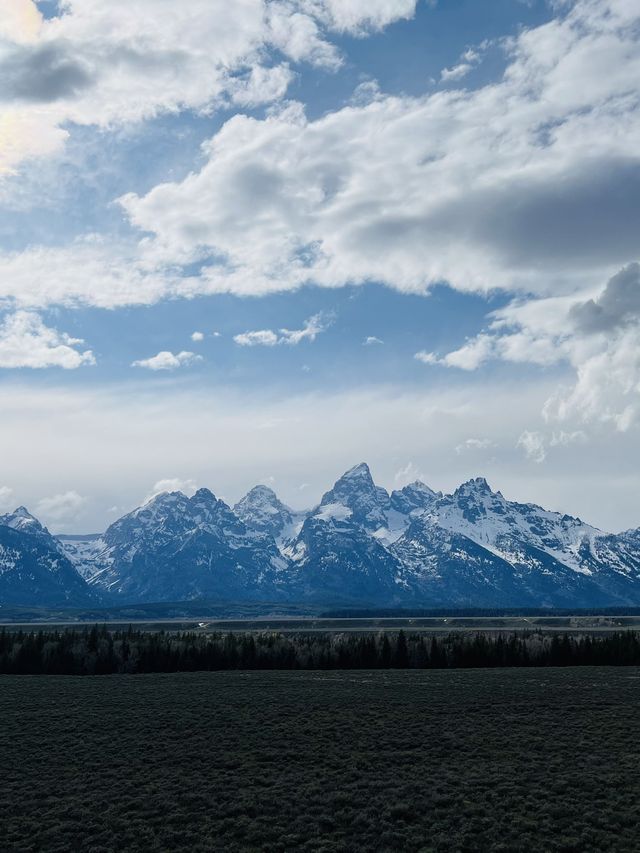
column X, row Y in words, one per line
column 458, row 760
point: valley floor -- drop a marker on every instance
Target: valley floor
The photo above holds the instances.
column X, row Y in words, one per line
column 463, row 760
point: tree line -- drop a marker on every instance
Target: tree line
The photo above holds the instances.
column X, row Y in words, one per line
column 100, row 651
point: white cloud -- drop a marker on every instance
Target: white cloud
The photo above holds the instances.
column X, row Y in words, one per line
column 89, row 271
column 427, row 357
column 359, row 16
column 172, row 484
column 310, row 330
column 167, row 360
column 107, row 64
column 596, row 336
column 468, row 61
column 528, row 184
column 474, row 444
column 20, row 21
column 533, row 444
column 409, row 473
column 6, row 497
column 457, row 72
column 469, row 357
column 261, row 338
column 197, row 337
column 371, row 340
column 61, row 509
column 25, row 341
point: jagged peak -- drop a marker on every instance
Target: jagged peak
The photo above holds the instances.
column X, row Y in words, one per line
column 21, row 519
column 359, row 470
column 475, row 484
column 22, row 512
column 204, row 494
column 356, row 479
column 418, row 486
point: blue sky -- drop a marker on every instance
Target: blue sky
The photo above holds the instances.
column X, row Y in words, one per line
column 266, row 244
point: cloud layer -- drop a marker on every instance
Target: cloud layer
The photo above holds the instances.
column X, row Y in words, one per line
column 527, row 184
column 109, row 64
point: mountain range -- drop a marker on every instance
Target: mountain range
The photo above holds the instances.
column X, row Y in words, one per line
column 359, row 546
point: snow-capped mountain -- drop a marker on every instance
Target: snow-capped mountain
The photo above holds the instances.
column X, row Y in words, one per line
column 359, row 545
column 261, row 509
column 176, row 548
column 34, row 569
column 550, row 559
column 341, row 551
column 22, row 520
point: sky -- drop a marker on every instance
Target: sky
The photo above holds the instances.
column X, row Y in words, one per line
column 267, row 240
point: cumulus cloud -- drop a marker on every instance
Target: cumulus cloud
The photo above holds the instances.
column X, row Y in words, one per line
column 469, row 357
column 61, row 508
column 597, row 338
column 310, row 330
column 529, row 184
column 166, row 360
column 25, row 341
column 89, row 271
column 360, row 16
column 260, row 338
column 197, row 337
column 371, row 341
column 616, row 306
column 105, row 64
column 42, row 74
column 20, row 21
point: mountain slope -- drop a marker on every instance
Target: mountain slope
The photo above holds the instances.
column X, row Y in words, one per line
column 178, row 548
column 34, row 569
column 554, row 559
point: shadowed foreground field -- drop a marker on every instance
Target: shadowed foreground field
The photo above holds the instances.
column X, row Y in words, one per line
column 468, row 760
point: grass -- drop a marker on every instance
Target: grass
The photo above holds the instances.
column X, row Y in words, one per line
column 482, row 760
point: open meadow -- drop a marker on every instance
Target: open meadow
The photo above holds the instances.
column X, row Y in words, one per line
column 397, row 760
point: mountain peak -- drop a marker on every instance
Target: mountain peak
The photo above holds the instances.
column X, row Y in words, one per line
column 475, row 484
column 415, row 497
column 21, row 519
column 361, row 470
column 22, row 512
column 261, row 509
column 356, row 492
column 355, row 481
column 261, row 491
column 204, row 494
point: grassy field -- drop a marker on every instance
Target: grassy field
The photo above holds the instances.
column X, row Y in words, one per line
column 482, row 760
